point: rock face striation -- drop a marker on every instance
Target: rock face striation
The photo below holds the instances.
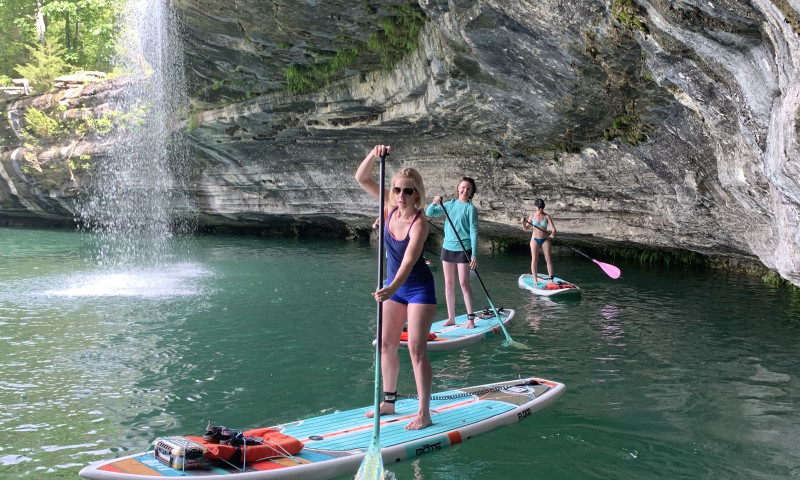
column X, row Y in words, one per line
column 665, row 124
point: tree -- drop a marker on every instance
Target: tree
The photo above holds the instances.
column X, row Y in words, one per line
column 17, row 22
column 84, row 29
column 46, row 63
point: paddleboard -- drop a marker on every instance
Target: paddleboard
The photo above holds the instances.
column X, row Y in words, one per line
column 459, row 336
column 335, row 444
column 545, row 287
column 431, row 264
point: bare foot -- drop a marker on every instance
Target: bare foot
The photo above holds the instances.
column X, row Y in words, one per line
column 422, row 421
column 386, row 409
column 448, row 323
column 470, row 323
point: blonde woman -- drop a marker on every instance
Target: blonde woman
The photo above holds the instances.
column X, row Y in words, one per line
column 409, row 295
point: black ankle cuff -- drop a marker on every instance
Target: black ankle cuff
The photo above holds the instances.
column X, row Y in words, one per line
column 389, row 397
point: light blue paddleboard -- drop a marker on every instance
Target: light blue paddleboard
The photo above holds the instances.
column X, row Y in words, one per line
column 335, row 444
column 449, row 337
column 543, row 286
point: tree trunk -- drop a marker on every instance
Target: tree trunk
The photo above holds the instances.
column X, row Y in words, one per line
column 78, row 36
column 40, row 27
column 67, row 30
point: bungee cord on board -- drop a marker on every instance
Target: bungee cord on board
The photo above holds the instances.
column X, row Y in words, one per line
column 483, row 391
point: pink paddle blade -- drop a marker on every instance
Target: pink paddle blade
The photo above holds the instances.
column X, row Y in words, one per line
column 610, row 270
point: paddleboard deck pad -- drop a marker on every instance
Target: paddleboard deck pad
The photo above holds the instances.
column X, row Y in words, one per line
column 449, row 337
column 542, row 285
column 335, row 444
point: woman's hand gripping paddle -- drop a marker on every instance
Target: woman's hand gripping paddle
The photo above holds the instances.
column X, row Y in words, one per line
column 610, row 270
column 372, row 466
column 508, row 341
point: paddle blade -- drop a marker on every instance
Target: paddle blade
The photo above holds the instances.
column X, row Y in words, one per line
column 610, row 270
column 372, row 466
column 513, row 343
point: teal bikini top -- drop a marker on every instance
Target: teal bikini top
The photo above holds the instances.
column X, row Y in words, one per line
column 542, row 224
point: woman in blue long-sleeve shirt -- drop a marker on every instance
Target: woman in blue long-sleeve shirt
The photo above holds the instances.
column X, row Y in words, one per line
column 464, row 216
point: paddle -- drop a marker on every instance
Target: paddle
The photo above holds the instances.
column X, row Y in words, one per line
column 508, row 341
column 372, row 466
column 610, row 270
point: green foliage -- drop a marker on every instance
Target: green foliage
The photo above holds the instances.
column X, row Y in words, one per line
column 532, row 150
column 5, row 81
column 237, row 89
column 566, row 146
column 80, row 32
column 45, row 129
column 396, row 36
column 46, row 63
column 102, row 125
column 496, row 155
column 510, row 243
column 656, row 257
column 49, row 127
column 17, row 32
column 628, row 12
column 86, row 29
column 116, row 120
column 192, row 122
column 82, row 163
column 43, row 126
column 772, row 278
column 628, row 127
column 304, row 78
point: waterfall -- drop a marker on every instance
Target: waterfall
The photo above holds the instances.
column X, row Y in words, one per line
column 136, row 204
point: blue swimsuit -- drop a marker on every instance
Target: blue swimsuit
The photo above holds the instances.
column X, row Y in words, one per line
column 419, row 286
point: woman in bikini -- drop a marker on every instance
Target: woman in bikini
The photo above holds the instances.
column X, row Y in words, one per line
column 409, row 296
column 543, row 230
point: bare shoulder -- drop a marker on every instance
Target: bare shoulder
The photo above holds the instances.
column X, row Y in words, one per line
column 420, row 227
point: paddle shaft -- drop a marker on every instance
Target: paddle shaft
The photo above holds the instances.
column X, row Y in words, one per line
column 381, row 258
column 464, row 249
column 610, row 270
column 556, row 239
column 372, row 465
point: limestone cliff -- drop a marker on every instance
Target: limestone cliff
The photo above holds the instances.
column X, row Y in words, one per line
column 665, row 124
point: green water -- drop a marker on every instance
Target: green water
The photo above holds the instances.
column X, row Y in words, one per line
column 670, row 372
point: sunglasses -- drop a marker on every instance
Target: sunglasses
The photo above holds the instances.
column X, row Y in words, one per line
column 407, row 190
